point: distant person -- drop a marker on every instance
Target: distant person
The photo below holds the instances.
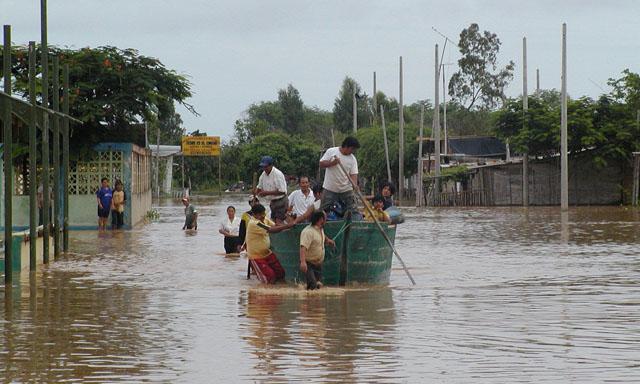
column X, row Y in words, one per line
column 272, row 187
column 263, row 260
column 117, row 206
column 378, row 211
column 312, row 241
column 301, row 199
column 337, row 187
column 40, row 201
column 104, row 196
column 190, row 215
column 230, row 228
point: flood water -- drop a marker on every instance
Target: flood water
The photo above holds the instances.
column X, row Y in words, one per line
column 503, row 295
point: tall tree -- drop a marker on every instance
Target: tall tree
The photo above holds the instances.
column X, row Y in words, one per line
column 292, row 110
column 479, row 83
column 343, row 106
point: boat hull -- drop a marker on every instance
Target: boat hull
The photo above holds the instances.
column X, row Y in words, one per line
column 361, row 255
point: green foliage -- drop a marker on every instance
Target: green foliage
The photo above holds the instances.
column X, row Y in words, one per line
column 292, row 110
column 113, row 91
column 479, row 82
column 343, row 107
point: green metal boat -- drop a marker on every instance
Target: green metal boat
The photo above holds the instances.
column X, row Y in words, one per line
column 361, row 255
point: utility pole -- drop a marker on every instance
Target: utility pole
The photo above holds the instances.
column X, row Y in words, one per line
column 355, row 111
column 537, row 82
column 436, row 124
column 401, row 143
column 564, row 161
column 158, row 161
column 386, row 144
column 375, row 100
column 444, row 111
column 525, row 108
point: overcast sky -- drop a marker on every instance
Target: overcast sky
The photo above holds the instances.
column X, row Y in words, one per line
column 239, row 52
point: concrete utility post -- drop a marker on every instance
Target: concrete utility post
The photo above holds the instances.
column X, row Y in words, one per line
column 537, row 82
column 401, row 143
column 386, row 144
column 564, row 160
column 525, row 108
column 436, row 124
column 355, row 111
column 375, row 101
column 419, row 199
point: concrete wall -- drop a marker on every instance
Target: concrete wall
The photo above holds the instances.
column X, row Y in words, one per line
column 588, row 184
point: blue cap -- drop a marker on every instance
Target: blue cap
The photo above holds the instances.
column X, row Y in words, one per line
column 266, row 160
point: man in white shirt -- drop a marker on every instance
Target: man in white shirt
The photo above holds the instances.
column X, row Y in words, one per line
column 337, row 187
column 272, row 187
column 301, row 199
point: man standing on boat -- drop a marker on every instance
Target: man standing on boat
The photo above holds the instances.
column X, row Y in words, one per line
column 337, row 187
column 262, row 259
column 312, row 241
column 272, row 187
column 301, row 199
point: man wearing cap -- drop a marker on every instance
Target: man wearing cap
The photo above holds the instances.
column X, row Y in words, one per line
column 272, row 187
column 337, row 186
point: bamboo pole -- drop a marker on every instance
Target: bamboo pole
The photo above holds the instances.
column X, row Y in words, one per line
column 386, row 143
column 384, row 234
column 33, row 160
column 564, row 161
column 8, row 161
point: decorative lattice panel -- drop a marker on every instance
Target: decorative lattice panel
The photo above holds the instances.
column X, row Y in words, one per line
column 85, row 176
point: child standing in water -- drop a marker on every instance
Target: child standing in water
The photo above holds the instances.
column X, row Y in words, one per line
column 104, row 196
column 117, row 210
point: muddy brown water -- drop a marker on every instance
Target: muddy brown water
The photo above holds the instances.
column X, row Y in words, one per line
column 503, row 295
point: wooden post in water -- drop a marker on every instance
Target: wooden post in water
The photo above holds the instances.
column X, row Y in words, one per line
column 33, row 160
column 65, row 157
column 525, row 108
column 436, row 125
column 401, row 142
column 8, row 161
column 386, row 144
column 564, row 161
column 419, row 199
column 635, row 193
column 46, row 201
column 56, row 158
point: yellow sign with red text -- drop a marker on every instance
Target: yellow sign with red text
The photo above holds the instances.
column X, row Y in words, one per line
column 201, row 145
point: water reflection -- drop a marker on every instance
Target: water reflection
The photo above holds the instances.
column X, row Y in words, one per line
column 339, row 336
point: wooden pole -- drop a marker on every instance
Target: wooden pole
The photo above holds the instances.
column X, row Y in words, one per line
column 220, row 172
column 525, row 108
column 46, row 201
column 56, row 158
column 8, row 161
column 564, row 161
column 401, row 142
column 537, row 82
column 33, row 160
column 419, row 199
column 386, row 143
column 436, row 124
column 636, row 179
column 65, row 157
column 356, row 190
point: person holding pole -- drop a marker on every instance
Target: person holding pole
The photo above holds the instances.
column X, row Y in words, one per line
column 337, row 185
column 272, row 187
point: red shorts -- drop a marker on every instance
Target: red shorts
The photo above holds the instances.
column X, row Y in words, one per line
column 268, row 269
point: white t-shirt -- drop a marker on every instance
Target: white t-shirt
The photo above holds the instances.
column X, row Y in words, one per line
column 233, row 227
column 300, row 202
column 274, row 181
column 334, row 179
